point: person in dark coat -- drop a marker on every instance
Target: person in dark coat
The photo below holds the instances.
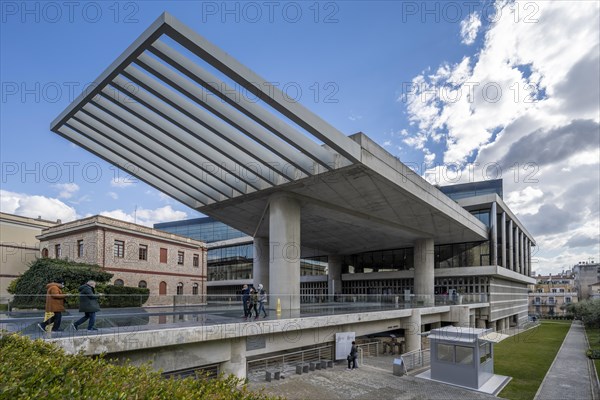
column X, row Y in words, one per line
column 88, row 303
column 55, row 303
column 352, row 356
column 245, row 298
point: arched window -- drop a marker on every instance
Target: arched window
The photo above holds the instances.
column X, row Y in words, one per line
column 162, row 288
column 119, row 282
column 195, row 289
column 45, row 252
column 142, row 284
column 180, row 288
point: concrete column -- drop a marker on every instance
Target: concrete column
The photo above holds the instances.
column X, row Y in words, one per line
column 480, row 323
column 412, row 330
column 520, row 237
column 237, row 361
column 494, row 235
column 284, row 245
column 334, row 274
column 460, row 316
column 424, row 277
column 503, row 233
column 528, row 257
column 517, row 245
column 260, row 265
column 523, row 266
column 511, row 246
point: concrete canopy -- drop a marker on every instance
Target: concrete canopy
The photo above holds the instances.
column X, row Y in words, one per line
column 183, row 116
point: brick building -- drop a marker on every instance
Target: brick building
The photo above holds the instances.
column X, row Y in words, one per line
column 167, row 264
column 551, row 293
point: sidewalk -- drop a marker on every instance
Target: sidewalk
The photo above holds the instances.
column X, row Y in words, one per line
column 571, row 375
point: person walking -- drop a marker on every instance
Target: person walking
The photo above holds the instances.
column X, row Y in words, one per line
column 352, row 356
column 55, row 303
column 262, row 300
column 253, row 303
column 245, row 299
column 88, row 304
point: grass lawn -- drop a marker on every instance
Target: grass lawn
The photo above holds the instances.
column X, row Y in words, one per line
column 527, row 357
column 593, row 335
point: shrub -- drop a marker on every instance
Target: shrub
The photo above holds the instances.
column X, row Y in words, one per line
column 125, row 296
column 30, row 288
column 37, row 369
column 593, row 353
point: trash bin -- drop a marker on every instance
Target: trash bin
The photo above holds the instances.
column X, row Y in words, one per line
column 398, row 367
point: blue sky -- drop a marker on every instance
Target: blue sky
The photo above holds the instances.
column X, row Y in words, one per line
column 457, row 88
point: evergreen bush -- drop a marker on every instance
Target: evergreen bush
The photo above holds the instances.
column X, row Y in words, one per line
column 125, row 296
column 41, row 370
column 30, row 288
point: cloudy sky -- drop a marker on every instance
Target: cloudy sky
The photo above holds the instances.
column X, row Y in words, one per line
column 461, row 91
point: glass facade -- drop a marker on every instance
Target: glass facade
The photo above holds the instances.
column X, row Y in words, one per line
column 472, row 189
column 206, row 229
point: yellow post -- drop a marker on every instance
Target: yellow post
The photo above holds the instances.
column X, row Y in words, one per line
column 278, row 307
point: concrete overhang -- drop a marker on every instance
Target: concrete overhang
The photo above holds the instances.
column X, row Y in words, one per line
column 173, row 111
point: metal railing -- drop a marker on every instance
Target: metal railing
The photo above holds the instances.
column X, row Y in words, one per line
column 414, row 360
column 370, row 349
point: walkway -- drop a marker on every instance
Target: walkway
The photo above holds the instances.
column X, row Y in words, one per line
column 571, row 375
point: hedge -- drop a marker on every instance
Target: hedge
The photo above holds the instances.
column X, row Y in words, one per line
column 40, row 370
column 124, row 296
column 30, row 288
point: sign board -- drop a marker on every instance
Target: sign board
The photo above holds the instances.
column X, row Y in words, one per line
column 343, row 344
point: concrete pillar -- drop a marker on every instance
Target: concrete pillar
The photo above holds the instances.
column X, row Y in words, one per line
column 334, row 274
column 494, row 235
column 511, row 246
column 517, row 251
column 500, row 324
column 260, row 265
column 503, row 233
column 412, row 330
column 424, row 277
column 480, row 323
column 284, row 246
column 528, row 257
column 237, row 360
column 522, row 252
column 460, row 316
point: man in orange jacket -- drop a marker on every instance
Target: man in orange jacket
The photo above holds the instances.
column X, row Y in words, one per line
column 55, row 302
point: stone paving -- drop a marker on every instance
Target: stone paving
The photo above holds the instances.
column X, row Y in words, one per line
column 572, row 374
column 371, row 381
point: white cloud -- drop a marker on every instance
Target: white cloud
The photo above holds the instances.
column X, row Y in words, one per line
column 34, row 206
column 387, row 143
column 527, row 104
column 147, row 217
column 113, row 195
column 122, row 182
column 66, row 190
column 469, row 28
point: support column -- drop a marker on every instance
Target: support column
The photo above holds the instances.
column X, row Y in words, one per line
column 529, row 258
column 260, row 264
column 511, row 246
column 523, row 265
column 503, row 233
column 517, row 257
column 480, row 323
column 284, row 246
column 412, row 330
column 334, row 274
column 494, row 235
column 237, row 359
column 424, row 278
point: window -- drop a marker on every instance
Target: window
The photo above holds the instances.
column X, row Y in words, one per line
column 142, row 284
column 180, row 257
column 464, row 355
column 119, row 249
column 179, row 288
column 57, row 251
column 485, row 352
column 45, row 252
column 567, row 300
column 80, row 248
column 143, row 252
column 445, row 352
column 119, row 282
column 196, row 260
column 162, row 288
column 195, row 289
column 163, row 256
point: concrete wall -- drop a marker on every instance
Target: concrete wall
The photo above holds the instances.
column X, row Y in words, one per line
column 508, row 298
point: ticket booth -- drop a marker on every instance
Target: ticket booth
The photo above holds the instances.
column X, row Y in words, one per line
column 461, row 356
